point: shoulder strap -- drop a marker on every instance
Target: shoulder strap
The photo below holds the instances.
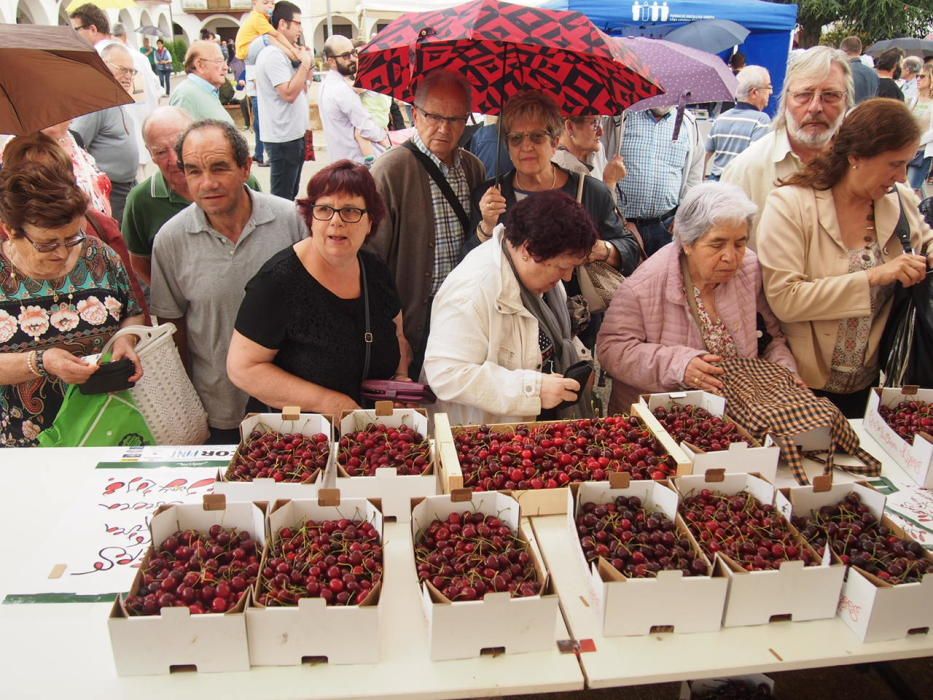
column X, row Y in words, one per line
column 367, row 330
column 442, row 183
column 902, row 229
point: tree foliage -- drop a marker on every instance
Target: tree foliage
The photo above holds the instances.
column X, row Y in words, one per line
column 874, row 19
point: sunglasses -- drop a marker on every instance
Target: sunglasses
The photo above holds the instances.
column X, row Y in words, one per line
column 517, row 138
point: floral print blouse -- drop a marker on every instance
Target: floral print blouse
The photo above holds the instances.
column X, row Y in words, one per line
column 78, row 313
column 716, row 336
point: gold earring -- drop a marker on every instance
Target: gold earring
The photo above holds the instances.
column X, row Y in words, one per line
column 525, row 258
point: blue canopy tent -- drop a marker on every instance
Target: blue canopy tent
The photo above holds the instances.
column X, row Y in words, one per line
column 770, row 24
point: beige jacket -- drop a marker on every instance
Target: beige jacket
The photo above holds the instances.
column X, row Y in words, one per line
column 805, row 265
column 757, row 169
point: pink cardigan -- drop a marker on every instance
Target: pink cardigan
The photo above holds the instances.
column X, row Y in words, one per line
column 648, row 335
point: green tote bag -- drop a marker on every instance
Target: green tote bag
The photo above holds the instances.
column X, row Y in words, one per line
column 98, row 420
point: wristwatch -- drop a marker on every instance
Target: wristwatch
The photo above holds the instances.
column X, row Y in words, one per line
column 608, row 249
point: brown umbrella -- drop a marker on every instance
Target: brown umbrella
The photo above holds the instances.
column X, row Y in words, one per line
column 48, row 75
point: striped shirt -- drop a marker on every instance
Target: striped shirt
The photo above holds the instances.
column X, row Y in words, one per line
column 733, row 132
column 448, row 233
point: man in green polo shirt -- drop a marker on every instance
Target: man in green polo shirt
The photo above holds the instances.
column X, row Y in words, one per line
column 156, row 200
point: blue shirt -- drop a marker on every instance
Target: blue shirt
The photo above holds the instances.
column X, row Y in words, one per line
column 733, row 132
column 656, row 164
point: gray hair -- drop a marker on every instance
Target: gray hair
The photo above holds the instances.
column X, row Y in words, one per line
column 912, row 65
column 815, row 64
column 711, row 204
column 749, row 78
column 118, row 30
column 233, row 136
column 110, row 49
column 166, row 113
column 437, row 78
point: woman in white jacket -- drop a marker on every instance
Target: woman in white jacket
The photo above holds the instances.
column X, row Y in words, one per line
column 500, row 331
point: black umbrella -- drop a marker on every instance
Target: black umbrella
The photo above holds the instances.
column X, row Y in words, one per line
column 908, row 44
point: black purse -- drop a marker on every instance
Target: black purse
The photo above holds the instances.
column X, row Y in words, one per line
column 906, row 351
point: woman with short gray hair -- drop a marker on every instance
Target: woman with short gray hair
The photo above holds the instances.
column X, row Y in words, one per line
column 694, row 303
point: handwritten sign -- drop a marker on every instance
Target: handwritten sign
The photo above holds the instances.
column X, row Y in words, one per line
column 101, row 540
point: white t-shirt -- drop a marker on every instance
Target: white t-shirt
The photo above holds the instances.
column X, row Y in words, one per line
column 279, row 121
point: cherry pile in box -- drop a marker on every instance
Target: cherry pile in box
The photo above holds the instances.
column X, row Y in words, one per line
column 909, row 418
column 207, row 573
column 754, row 535
column 338, row 560
column 362, row 452
column 468, row 555
column 552, row 455
column 859, row 539
column 697, row 426
column 283, row 457
column 636, row 542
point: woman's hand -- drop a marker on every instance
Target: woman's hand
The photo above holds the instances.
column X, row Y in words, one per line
column 555, row 389
column 905, row 268
column 125, row 347
column 614, row 171
column 71, row 369
column 799, row 381
column 401, row 404
column 703, row 373
column 491, row 206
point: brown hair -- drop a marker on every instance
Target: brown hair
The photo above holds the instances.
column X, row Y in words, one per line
column 37, row 185
column 533, row 105
column 90, row 14
column 876, row 126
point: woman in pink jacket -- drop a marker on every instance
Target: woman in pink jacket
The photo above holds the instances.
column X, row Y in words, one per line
column 652, row 340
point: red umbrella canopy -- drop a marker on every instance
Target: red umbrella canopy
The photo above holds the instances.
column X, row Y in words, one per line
column 502, row 49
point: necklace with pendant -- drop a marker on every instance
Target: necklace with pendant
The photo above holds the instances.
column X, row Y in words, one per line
column 18, row 277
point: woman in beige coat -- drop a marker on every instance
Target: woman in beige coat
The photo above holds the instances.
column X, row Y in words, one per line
column 830, row 255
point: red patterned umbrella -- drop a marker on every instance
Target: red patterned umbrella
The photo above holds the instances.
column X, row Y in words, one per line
column 502, row 49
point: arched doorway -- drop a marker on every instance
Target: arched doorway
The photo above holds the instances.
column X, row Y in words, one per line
column 31, row 12
column 222, row 25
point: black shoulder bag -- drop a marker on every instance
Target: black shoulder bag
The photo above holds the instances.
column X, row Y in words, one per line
column 444, row 186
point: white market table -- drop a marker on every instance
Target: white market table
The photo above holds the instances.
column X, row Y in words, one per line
column 63, row 650
column 657, row 658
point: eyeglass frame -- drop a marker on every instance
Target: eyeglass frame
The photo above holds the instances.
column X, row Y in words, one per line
column 536, row 137
column 121, row 70
column 347, row 54
column 836, row 96
column 438, row 119
column 340, row 211
column 48, row 247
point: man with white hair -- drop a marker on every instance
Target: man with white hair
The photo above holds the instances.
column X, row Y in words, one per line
column 818, row 91
column 109, row 134
column 910, row 69
column 206, row 72
column 736, row 129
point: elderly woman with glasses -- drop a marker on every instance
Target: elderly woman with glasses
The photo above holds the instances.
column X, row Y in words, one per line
column 532, row 125
column 62, row 296
column 299, row 334
column 830, row 254
column 694, row 303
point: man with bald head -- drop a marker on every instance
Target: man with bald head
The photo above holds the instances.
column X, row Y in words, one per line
column 156, row 200
column 199, row 94
column 342, row 111
column 109, row 134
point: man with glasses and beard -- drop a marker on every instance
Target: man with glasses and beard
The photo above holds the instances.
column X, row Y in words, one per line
column 818, row 91
column 426, row 186
column 345, row 119
column 283, row 102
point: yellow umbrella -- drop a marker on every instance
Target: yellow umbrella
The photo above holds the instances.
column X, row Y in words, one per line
column 102, row 4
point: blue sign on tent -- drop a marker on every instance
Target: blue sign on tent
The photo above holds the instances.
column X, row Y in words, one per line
column 771, row 25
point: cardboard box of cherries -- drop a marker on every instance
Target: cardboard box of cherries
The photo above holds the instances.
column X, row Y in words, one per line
column 537, row 462
column 693, row 426
column 384, row 453
column 901, row 421
column 483, row 584
column 186, row 605
column 280, row 455
column 888, row 589
column 644, row 568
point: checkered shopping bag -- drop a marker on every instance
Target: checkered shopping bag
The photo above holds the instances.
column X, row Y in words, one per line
column 764, row 398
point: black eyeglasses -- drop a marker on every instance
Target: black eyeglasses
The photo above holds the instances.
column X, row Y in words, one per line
column 348, row 54
column 49, row 246
column 438, row 119
column 349, row 215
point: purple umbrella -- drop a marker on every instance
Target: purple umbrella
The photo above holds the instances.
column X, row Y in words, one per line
column 687, row 75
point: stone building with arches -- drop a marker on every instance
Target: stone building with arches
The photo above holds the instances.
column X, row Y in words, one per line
column 154, row 13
